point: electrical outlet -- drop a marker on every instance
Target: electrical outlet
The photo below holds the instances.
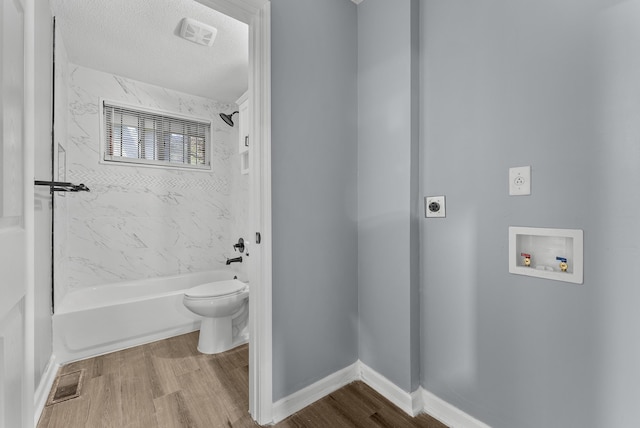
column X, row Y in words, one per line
column 520, row 181
column 434, row 206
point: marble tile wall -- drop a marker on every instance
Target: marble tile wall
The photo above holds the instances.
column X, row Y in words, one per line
column 60, row 224
column 139, row 222
column 240, row 226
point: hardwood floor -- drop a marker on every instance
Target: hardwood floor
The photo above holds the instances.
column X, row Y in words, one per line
column 169, row 384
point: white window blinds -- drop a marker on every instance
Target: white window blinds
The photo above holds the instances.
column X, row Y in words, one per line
column 147, row 137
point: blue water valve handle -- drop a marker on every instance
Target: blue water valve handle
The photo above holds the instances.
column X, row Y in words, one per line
column 563, row 263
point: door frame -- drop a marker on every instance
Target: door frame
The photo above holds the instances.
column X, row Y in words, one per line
column 257, row 14
column 28, row 389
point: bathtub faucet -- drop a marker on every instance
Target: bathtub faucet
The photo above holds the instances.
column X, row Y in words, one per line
column 236, row 260
column 239, row 246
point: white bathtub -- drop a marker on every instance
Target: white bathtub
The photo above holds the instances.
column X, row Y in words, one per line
column 107, row 318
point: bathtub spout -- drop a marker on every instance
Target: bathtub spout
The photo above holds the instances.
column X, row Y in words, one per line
column 236, row 260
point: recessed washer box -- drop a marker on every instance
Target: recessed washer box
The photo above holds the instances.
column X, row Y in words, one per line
column 549, row 251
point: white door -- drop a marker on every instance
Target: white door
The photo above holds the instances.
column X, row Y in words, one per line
column 12, row 230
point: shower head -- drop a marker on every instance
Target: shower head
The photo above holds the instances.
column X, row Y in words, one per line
column 227, row 118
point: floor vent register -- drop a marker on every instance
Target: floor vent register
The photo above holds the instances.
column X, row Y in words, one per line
column 66, row 387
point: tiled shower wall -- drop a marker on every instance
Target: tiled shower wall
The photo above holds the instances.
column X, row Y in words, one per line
column 140, row 222
column 60, row 112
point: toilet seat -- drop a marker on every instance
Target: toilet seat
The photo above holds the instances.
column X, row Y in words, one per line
column 216, row 289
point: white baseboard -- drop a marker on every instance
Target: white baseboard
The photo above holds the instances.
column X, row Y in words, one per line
column 44, row 387
column 295, row 402
column 417, row 402
column 411, row 404
column 447, row 413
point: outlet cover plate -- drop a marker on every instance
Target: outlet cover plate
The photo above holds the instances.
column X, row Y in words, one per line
column 434, row 206
column 520, row 181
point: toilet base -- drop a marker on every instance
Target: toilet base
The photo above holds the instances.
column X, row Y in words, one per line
column 215, row 335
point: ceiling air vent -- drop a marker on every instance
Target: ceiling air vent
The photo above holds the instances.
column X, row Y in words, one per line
column 197, row 32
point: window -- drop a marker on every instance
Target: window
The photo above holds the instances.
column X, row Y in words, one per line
column 147, row 137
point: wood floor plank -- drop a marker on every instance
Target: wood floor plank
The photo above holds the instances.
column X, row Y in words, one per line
column 205, row 392
column 136, row 391
column 107, row 364
column 355, row 400
column 322, row 415
column 427, row 421
column 169, row 384
column 366, row 396
column 174, row 354
column 352, row 413
column 71, row 413
column 148, row 421
column 155, row 382
column 45, row 417
column 172, row 412
column 232, row 370
column 85, row 365
column 105, row 410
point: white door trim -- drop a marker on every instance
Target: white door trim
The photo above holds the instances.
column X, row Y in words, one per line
column 29, row 224
column 260, row 336
column 257, row 14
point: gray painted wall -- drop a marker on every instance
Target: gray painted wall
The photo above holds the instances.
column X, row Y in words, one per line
column 509, row 84
column 615, row 180
column 388, row 263
column 315, row 245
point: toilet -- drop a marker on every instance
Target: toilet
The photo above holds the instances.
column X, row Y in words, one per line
column 217, row 302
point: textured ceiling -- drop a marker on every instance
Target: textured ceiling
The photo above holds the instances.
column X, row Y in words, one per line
column 139, row 39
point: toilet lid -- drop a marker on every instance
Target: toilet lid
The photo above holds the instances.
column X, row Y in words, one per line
column 216, row 289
